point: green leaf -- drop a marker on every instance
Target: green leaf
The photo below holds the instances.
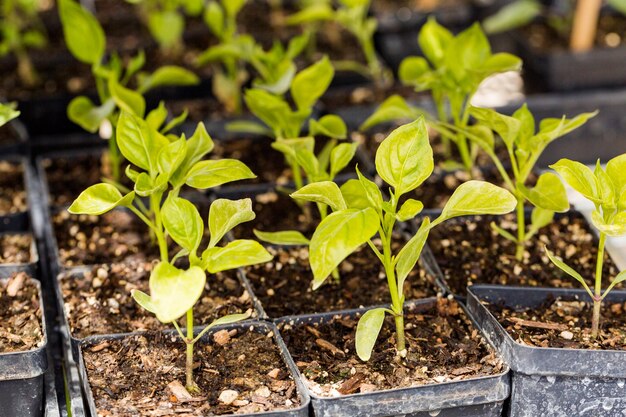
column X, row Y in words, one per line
column 527, row 124
column 330, row 125
column 616, row 170
column 83, row 34
column 172, row 156
column 579, row 177
column 606, row 188
column 313, row 13
column 198, row 146
column 354, row 195
column 539, row 218
column 166, row 27
column 138, row 143
column 551, row 129
column 616, row 228
column 512, row 16
column 232, row 7
column 157, row 117
column 214, row 18
column 412, row 69
column 87, row 115
column 619, row 5
column 505, row 234
column 477, row 197
column 549, row 193
column 367, row 332
column 311, row 83
column 621, row 277
column 410, row 208
column 224, row 215
column 336, row 237
column 340, row 157
column 145, row 185
column 183, row 223
column 433, row 40
column 409, row 255
column 498, row 63
column 393, row 109
column 284, row 238
column 100, row 198
column 248, row 126
column 211, row 173
column 405, row 159
column 325, row 192
column 236, row 254
column 506, row 126
column 128, row 100
column 172, row 291
column 371, row 192
column 568, row 270
column 7, row 113
column 169, row 75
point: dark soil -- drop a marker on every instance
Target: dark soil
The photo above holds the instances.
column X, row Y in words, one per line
column 130, row 377
column 276, row 211
column 100, row 302
column 402, row 7
column 12, row 189
column 610, row 34
column 284, row 284
column 20, row 315
column 469, row 252
column 565, row 323
column 116, row 236
column 15, row 248
column 442, row 347
column 364, row 94
column 8, row 136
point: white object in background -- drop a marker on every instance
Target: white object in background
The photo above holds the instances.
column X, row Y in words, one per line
column 499, row 90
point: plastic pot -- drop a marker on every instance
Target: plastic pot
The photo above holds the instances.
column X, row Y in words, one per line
column 8, row 269
column 568, row 71
column 22, row 376
column 262, row 328
column 551, row 381
column 476, row 397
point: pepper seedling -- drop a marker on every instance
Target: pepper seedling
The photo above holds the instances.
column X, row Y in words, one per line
column 353, row 16
column 165, row 20
column 524, row 147
column 165, row 167
column 22, row 30
column 606, row 189
column 404, row 160
column 86, row 41
column 452, row 68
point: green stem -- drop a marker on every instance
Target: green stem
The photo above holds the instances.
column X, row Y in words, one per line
column 189, row 362
column 597, row 302
column 114, row 159
column 155, row 205
column 443, row 117
column 521, row 229
column 323, row 210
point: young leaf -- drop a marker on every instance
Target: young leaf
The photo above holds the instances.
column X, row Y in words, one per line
column 367, row 332
column 236, row 254
column 616, row 228
column 211, row 173
column 172, row 156
column 539, row 218
column 412, row 69
column 100, row 198
column 138, row 143
column 330, row 125
column 198, row 146
column 549, row 193
column 146, row 185
column 83, row 34
column 405, row 159
column 168, row 75
column 172, row 291
column 477, row 197
column 340, row 157
column 394, row 108
column 284, row 238
column 355, row 196
column 183, row 223
column 224, row 215
column 311, row 83
column 87, row 115
column 506, row 126
column 410, row 254
column 126, row 99
column 336, row 237
column 568, row 270
column 325, row 192
column 433, row 40
column 579, row 177
column 410, row 208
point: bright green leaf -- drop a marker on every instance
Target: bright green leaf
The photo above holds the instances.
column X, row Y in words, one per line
column 100, row 198
column 367, row 332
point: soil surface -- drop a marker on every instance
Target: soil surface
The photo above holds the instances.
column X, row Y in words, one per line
column 113, row 237
column 100, row 302
column 364, row 94
column 12, row 190
column 442, row 347
column 284, row 284
column 243, row 373
column 15, row 248
column 610, row 34
column 565, row 323
column 276, row 211
column 400, row 7
column 20, row 315
column 8, row 136
column 469, row 252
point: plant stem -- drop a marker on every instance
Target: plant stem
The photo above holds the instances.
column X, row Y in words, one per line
column 597, row 301
column 521, row 229
column 155, row 205
column 114, row 159
column 396, row 301
column 443, row 117
column 191, row 387
column 323, row 210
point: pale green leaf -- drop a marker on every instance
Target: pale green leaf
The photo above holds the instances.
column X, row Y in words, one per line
column 138, row 142
column 616, row 228
column 549, row 193
column 236, row 254
column 330, row 125
column 367, row 332
column 83, row 34
column 579, row 177
column 409, row 209
column 183, row 223
column 340, row 157
column 224, row 215
column 568, row 270
column 100, row 198
column 325, row 192
column 409, row 255
column 211, row 173
column 311, row 83
column 87, row 115
column 284, row 238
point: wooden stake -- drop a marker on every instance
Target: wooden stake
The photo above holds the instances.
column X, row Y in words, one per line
column 585, row 25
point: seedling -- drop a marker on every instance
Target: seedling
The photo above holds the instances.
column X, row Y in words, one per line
column 85, row 39
column 452, row 69
column 404, row 160
column 165, row 20
column 165, row 166
column 524, row 147
column 275, row 68
column 352, row 15
column 285, row 125
column 606, row 189
column 576, row 20
column 8, row 112
column 21, row 30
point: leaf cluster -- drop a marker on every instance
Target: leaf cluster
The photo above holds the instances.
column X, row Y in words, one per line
column 20, row 27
